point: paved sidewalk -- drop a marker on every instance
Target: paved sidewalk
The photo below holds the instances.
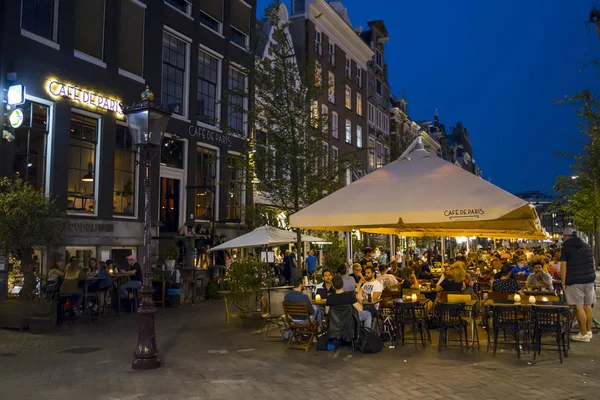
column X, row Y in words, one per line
column 205, row 358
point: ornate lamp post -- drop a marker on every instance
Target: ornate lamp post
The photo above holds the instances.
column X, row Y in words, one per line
column 147, row 122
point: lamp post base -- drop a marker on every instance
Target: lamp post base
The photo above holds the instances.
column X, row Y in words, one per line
column 146, row 353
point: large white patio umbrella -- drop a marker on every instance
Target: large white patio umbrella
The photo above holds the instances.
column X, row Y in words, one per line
column 421, row 194
column 264, row 236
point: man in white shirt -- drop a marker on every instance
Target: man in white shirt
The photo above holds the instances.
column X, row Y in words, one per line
column 370, row 288
column 388, row 281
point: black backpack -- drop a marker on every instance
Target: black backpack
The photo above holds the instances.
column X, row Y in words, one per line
column 368, row 341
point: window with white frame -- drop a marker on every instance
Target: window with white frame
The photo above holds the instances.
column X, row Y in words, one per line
column 359, row 136
column 174, row 73
column 324, row 117
column 209, row 90
column 237, row 101
column 318, row 74
column 334, row 124
column 386, row 123
column 131, row 37
column 359, row 104
column 358, row 76
column 371, row 113
column 211, row 15
column 40, row 17
column 124, row 182
column 206, row 183
column 81, row 182
column 379, row 155
column 379, row 88
column 240, row 38
column 235, row 174
column 348, row 131
column 335, row 155
column 325, row 155
column 348, row 97
column 318, row 42
column 372, row 153
column 348, row 67
column 331, row 89
column 379, row 57
column 89, row 28
column 185, row 6
column 331, row 53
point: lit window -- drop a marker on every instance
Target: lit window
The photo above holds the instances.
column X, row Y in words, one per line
column 324, row 117
column 348, row 131
column 314, row 114
column 81, row 192
column 359, row 136
column 235, row 174
column 206, row 183
column 124, row 188
column 331, row 89
column 359, row 104
column 348, row 97
column 318, row 74
column 334, row 124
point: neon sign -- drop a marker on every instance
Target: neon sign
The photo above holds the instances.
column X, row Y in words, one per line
column 92, row 99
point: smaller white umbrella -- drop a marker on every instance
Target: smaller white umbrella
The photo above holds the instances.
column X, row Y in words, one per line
column 264, row 236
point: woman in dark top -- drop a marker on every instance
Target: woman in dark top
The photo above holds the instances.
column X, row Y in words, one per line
column 506, row 284
column 456, row 281
column 409, row 279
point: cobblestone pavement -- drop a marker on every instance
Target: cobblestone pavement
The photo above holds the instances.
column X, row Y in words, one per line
column 204, row 358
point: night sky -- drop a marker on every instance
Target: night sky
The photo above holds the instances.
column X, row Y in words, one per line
column 496, row 67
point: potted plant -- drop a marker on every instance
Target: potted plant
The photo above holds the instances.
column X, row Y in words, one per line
column 244, row 280
column 169, row 254
column 43, row 319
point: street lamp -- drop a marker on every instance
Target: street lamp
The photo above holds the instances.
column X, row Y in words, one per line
column 147, row 122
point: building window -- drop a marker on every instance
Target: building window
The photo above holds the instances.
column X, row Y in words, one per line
column 371, row 153
column 335, row 155
column 206, row 183
column 211, row 15
column 237, row 101
column 334, row 124
column 240, row 38
column 331, row 53
column 81, row 194
column 210, row 22
column 348, row 131
column 359, row 136
column 171, row 154
column 124, row 173
column 235, row 192
column 358, row 76
column 40, row 17
column 30, row 143
column 359, row 104
column 314, row 114
column 348, row 97
column 208, row 87
column 324, row 117
column 131, row 37
column 318, row 74
column 325, row 155
column 379, row 88
column 331, row 89
column 348, row 67
column 371, row 113
column 379, row 155
column 89, row 28
column 379, row 57
column 298, row 6
column 386, row 155
column 174, row 73
column 318, row 43
column 185, row 6
column 386, row 123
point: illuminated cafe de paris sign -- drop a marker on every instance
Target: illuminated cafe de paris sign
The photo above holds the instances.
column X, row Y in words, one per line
column 57, row 88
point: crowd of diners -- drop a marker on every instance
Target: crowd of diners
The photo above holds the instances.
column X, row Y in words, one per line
column 509, row 271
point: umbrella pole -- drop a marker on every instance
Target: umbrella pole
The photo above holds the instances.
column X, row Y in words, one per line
column 443, row 249
column 349, row 256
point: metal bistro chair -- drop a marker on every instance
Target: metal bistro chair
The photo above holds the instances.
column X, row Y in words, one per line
column 507, row 318
column 450, row 317
column 413, row 315
column 554, row 321
column 299, row 327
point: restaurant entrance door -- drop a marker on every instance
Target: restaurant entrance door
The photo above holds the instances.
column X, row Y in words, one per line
column 170, row 190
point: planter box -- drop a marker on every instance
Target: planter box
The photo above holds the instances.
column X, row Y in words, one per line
column 40, row 325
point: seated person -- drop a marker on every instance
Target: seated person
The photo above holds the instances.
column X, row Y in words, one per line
column 70, row 286
column 506, row 284
column 409, row 279
column 455, row 282
column 349, row 282
column 425, row 271
column 135, row 277
column 357, row 272
column 395, row 270
column 447, row 269
column 340, row 298
column 325, row 288
column 539, row 278
column 370, row 289
column 521, row 269
column 296, row 296
column 103, row 272
column 388, row 281
column 57, row 272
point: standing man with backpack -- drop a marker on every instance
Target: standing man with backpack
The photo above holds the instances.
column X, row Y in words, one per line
column 578, row 276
